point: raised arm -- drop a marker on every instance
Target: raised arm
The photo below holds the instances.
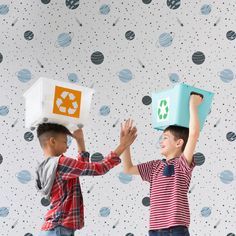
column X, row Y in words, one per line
column 194, row 127
column 128, row 166
column 71, row 168
column 83, row 155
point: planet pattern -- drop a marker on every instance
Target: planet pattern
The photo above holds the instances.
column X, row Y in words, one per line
column 124, row 51
column 104, row 110
column 198, row 58
column 73, row 77
column 165, row 39
column 226, row 75
column 24, row 75
column 125, row 178
column 97, row 58
column 104, row 9
column 24, row 176
column 125, row 75
column 4, row 9
column 64, row 40
column 206, row 9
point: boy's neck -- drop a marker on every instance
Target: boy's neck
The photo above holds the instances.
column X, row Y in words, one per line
column 172, row 156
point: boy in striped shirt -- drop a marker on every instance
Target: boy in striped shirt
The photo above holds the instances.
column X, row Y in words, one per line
column 57, row 177
column 169, row 178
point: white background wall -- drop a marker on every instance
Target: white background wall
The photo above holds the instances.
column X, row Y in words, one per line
column 20, row 205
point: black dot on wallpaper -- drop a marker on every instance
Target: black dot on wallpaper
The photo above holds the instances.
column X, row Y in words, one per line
column 28, row 234
column 72, row 4
column 231, row 136
column 129, row 234
column 199, row 158
column 28, row 35
column 1, row 57
column 28, row 136
column 45, row 1
column 146, row 201
column 130, row 35
column 96, row 157
column 45, row 202
column 231, row 35
column 1, row 159
column 147, row 1
column 198, row 58
column 231, row 234
column 146, row 100
column 173, row 4
column 97, row 58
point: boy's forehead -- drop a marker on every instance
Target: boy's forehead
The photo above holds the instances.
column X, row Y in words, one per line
column 167, row 133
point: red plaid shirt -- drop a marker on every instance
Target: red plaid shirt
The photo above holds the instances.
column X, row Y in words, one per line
column 66, row 196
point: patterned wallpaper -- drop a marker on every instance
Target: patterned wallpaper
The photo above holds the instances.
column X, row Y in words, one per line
column 125, row 50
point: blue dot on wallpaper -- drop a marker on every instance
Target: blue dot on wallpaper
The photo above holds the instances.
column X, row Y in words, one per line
column 226, row 176
column 125, row 75
column 206, row 211
column 206, row 9
column 4, row 110
column 174, row 78
column 104, row 9
column 4, row 211
column 166, row 39
column 73, row 77
column 24, row 75
column 125, row 178
column 104, row 110
column 4, row 9
column 104, row 211
column 64, row 40
column 24, row 176
column 226, row 75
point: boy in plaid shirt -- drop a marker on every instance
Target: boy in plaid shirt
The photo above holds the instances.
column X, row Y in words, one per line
column 57, row 177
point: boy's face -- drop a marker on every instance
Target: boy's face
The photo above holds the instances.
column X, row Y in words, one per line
column 59, row 144
column 168, row 143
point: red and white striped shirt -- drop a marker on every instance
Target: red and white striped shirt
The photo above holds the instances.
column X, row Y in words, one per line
column 168, row 195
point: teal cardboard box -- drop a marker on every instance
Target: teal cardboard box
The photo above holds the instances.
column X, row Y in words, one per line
column 171, row 107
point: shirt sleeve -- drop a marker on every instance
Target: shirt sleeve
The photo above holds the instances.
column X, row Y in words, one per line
column 146, row 170
column 184, row 164
column 80, row 158
column 70, row 168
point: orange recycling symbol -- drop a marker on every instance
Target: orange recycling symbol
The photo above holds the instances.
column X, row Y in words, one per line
column 67, row 102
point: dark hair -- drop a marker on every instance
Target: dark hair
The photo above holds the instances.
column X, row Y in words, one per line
column 47, row 130
column 179, row 132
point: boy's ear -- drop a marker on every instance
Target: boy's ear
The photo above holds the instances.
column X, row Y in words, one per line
column 180, row 142
column 52, row 140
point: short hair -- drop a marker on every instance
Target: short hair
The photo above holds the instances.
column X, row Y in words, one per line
column 47, row 130
column 179, row 132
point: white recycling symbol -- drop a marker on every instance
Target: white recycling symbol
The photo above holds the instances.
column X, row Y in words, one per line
column 59, row 101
